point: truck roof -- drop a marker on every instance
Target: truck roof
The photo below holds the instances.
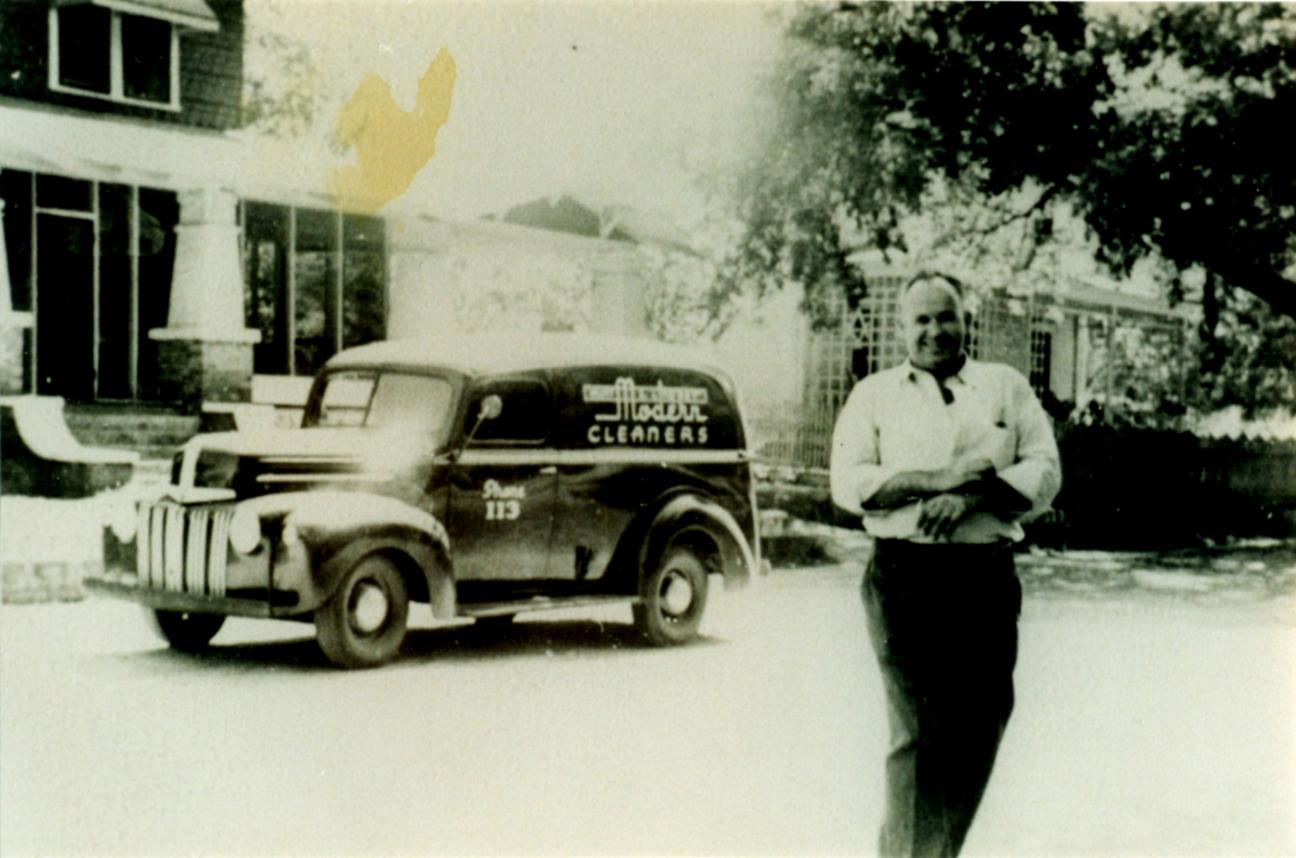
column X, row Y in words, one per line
column 503, row 352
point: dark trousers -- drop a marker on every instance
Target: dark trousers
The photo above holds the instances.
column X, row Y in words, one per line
column 943, row 621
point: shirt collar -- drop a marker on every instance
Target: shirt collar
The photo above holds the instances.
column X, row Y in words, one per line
column 913, row 373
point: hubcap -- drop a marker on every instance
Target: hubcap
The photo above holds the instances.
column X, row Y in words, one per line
column 369, row 608
column 677, row 593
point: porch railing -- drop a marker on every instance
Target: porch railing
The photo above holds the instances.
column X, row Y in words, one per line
column 788, row 435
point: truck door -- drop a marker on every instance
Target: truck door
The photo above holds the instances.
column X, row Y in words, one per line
column 502, row 487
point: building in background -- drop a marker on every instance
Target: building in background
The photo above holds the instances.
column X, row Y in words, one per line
column 1077, row 343
column 120, row 226
column 155, row 256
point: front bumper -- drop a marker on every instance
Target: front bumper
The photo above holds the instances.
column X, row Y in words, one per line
column 127, row 587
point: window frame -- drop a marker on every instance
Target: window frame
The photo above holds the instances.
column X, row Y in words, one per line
column 484, row 387
column 313, row 413
column 116, row 64
column 281, row 343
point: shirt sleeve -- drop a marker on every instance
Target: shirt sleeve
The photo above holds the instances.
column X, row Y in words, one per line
column 1036, row 473
column 855, row 467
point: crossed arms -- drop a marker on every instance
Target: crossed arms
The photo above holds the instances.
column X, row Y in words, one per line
column 871, row 476
column 949, row 495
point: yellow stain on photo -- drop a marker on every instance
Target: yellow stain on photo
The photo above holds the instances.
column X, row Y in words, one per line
column 391, row 144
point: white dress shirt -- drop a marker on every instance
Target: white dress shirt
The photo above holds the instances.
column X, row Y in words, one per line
column 897, row 420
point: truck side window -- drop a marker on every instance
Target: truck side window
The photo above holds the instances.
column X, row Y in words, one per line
column 525, row 419
column 345, row 399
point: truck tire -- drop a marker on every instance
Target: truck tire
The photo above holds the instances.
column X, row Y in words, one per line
column 673, row 597
column 363, row 625
column 186, row 631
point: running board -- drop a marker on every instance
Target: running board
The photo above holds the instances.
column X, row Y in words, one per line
column 539, row 603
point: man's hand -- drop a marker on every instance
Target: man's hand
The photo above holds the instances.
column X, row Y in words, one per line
column 909, row 486
column 940, row 515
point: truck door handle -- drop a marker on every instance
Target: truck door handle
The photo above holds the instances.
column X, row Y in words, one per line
column 549, row 469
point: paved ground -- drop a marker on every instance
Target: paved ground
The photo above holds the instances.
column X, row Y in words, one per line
column 1155, row 718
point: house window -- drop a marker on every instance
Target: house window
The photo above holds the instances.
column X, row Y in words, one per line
column 84, row 56
column 1041, row 359
column 96, row 50
column 146, row 59
column 315, row 282
column 93, row 262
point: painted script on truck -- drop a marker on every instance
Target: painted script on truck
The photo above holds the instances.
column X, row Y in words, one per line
column 503, row 503
column 647, row 414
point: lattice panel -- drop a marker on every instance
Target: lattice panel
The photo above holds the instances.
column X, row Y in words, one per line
column 1000, row 332
column 1041, row 354
column 875, row 326
column 829, row 377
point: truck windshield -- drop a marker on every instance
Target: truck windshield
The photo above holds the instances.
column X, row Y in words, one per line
column 386, row 400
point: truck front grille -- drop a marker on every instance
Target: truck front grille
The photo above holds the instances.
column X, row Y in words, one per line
column 183, row 549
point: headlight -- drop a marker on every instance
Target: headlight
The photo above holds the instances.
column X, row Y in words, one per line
column 245, row 531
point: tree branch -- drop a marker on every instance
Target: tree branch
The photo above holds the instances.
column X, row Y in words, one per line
column 1266, row 284
column 1004, row 221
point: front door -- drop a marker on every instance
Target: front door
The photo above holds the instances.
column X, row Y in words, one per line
column 503, row 487
column 65, row 306
column 501, row 517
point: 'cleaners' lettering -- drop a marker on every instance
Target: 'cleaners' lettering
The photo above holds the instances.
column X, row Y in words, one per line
column 647, row 414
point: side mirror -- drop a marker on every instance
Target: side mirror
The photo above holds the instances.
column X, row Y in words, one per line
column 491, row 407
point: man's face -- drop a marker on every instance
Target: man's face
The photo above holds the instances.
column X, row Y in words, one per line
column 933, row 324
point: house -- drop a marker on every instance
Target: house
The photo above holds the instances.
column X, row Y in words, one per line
column 543, row 265
column 156, row 260
column 131, row 212
column 1077, row 343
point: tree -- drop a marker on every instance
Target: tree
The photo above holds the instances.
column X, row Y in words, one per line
column 1161, row 128
column 282, row 85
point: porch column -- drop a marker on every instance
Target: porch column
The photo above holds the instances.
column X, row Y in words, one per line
column 420, row 284
column 205, row 351
column 1082, row 392
column 12, row 326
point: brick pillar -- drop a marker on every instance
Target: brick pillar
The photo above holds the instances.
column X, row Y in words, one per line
column 13, row 326
column 205, row 351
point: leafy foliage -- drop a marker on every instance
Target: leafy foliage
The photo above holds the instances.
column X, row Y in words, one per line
column 884, row 105
column 1195, row 164
column 1159, row 128
column 1253, row 356
column 282, row 85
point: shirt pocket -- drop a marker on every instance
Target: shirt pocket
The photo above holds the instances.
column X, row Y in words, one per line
column 988, row 436
column 1001, row 444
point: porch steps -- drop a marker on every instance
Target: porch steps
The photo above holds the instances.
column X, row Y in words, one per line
column 155, row 432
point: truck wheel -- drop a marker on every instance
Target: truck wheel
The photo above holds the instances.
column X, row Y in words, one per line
column 673, row 598
column 185, row 631
column 364, row 623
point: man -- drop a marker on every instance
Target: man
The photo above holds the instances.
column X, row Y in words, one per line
column 942, row 455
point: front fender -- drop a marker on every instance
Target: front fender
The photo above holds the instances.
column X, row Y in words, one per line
column 694, row 511
column 336, row 529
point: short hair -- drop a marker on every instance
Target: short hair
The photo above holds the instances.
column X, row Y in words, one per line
column 953, row 284
column 926, row 275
